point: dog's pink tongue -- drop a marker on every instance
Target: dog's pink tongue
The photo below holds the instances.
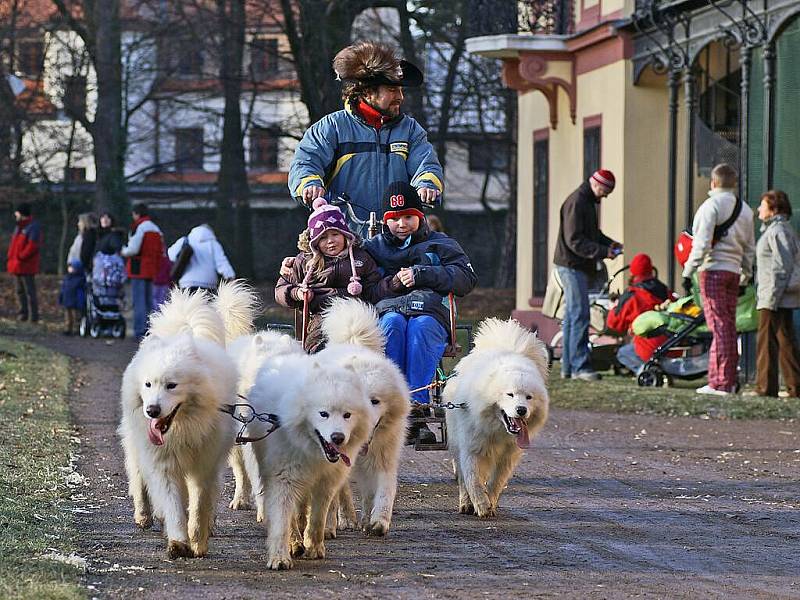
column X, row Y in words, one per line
column 523, row 441
column 154, row 433
column 345, row 458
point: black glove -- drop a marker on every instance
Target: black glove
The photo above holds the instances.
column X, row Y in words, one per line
column 742, row 290
column 687, row 285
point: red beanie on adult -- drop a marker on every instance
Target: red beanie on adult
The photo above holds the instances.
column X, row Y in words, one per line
column 605, row 178
column 642, row 267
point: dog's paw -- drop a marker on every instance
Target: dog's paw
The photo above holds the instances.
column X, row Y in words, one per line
column 259, row 515
column 240, row 503
column 484, row 512
column 466, row 508
column 143, row 520
column 296, row 548
column 330, row 533
column 176, row 549
column 279, row 562
column 315, row 551
column 199, row 548
column 378, row 529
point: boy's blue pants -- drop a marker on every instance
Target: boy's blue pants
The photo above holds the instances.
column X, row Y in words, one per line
column 416, row 345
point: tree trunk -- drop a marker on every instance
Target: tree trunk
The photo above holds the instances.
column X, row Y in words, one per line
column 233, row 192
column 107, row 131
column 447, row 91
column 506, row 272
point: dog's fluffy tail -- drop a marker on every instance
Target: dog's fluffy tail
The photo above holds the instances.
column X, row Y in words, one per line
column 186, row 312
column 237, row 303
column 496, row 334
column 351, row 321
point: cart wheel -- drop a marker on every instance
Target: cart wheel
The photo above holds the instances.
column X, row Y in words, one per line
column 667, row 380
column 118, row 330
column 650, row 378
column 83, row 327
column 94, row 330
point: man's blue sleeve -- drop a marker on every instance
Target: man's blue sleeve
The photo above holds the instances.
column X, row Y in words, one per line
column 423, row 166
column 312, row 157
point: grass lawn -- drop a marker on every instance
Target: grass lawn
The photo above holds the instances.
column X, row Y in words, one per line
column 622, row 395
column 35, row 441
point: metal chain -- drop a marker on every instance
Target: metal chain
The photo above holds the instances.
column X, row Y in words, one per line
column 230, row 409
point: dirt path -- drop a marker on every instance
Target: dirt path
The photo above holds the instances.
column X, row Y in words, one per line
column 603, row 506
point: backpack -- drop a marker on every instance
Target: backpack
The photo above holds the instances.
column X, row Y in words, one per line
column 182, row 261
column 683, row 247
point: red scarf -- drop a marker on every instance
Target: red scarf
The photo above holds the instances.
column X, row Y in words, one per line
column 138, row 222
column 371, row 115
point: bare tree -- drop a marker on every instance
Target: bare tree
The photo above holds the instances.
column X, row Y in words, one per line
column 99, row 28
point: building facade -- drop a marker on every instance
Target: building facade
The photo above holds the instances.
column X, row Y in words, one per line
column 658, row 92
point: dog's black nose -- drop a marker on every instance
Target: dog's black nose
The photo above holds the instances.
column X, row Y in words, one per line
column 522, row 411
column 153, row 411
column 337, row 437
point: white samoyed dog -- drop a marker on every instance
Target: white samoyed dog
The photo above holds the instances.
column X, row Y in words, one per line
column 325, row 417
column 355, row 339
column 502, row 386
column 173, row 433
column 250, row 352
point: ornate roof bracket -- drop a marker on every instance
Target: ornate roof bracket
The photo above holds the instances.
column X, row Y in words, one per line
column 545, row 72
column 749, row 30
column 668, row 54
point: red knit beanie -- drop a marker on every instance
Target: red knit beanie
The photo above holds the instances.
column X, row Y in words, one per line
column 641, row 266
column 605, row 178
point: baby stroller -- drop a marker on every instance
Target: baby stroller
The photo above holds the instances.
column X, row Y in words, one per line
column 105, row 297
column 684, row 355
column 603, row 342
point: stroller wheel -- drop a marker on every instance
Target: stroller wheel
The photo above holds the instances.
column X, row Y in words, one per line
column 118, row 330
column 651, row 378
column 83, row 327
column 94, row 330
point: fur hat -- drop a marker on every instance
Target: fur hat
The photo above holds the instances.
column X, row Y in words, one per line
column 325, row 217
column 373, row 64
column 401, row 198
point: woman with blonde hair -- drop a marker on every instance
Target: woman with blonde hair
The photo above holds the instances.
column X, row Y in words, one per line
column 778, row 293
column 73, row 286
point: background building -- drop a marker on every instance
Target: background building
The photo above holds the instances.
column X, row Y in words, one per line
column 657, row 91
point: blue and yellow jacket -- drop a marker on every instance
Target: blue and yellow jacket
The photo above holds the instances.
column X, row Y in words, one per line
column 344, row 154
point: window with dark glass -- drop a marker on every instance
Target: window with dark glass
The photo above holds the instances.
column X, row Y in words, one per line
column 488, row 155
column 76, row 174
column 264, row 148
column 264, row 59
column 30, row 57
column 541, row 199
column 591, row 151
column 75, row 95
column 189, row 149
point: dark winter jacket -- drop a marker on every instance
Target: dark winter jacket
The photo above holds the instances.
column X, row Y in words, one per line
column 439, row 264
column 331, row 284
column 23, row 252
column 580, row 243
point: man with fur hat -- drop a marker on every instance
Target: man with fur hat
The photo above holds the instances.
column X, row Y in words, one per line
column 361, row 149
column 579, row 249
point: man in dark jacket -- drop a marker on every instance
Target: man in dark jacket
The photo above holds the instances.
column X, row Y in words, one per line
column 23, row 261
column 421, row 267
column 579, row 249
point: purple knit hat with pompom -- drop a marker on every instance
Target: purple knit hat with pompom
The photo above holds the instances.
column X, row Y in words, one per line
column 324, row 217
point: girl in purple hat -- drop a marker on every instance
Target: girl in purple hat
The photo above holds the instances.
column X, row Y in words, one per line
column 331, row 264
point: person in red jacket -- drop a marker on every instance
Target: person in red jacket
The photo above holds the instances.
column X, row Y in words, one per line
column 644, row 293
column 143, row 251
column 23, row 261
